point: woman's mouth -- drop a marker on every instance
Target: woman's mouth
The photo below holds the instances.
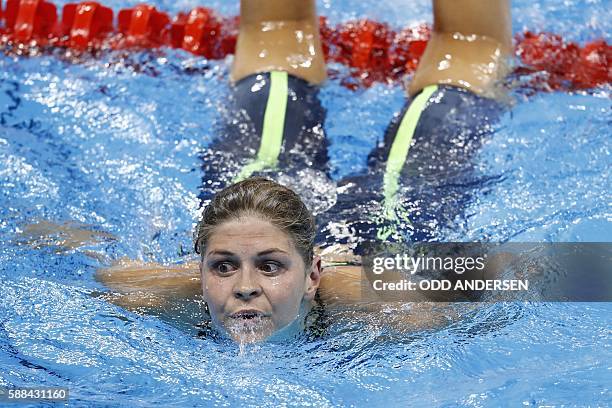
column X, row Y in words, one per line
column 249, row 325
column 247, row 314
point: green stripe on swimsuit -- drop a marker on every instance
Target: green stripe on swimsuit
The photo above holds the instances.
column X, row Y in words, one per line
column 397, row 158
column 273, row 127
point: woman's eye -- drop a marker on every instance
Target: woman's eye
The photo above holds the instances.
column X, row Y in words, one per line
column 223, row 267
column 270, row 268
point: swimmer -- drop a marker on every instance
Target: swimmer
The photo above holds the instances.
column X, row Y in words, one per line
column 260, row 275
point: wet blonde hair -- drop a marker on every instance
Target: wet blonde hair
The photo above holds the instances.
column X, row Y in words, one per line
column 266, row 199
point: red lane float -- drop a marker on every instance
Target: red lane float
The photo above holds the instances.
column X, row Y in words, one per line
column 28, row 20
column 372, row 51
column 143, row 26
column 568, row 66
column 197, row 32
column 86, row 23
column 202, row 32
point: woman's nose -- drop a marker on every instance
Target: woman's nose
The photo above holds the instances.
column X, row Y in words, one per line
column 247, row 293
column 246, row 288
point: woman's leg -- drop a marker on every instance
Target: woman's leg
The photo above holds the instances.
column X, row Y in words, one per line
column 427, row 163
column 422, row 177
column 279, row 35
column 273, row 125
column 469, row 47
column 274, row 121
column 452, row 110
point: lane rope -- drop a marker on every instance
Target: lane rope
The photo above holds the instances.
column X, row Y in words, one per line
column 372, row 51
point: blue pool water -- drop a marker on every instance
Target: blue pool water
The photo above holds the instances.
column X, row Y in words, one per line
column 115, row 147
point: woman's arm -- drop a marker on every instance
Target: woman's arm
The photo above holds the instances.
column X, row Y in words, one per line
column 470, row 45
column 137, row 284
column 346, row 287
column 281, row 35
column 343, row 290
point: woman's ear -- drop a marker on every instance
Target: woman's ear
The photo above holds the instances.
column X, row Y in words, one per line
column 313, row 279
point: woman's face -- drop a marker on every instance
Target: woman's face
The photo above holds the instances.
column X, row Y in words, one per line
column 254, row 279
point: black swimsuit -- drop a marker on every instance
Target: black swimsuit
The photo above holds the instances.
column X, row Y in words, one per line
column 421, row 177
column 418, row 179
